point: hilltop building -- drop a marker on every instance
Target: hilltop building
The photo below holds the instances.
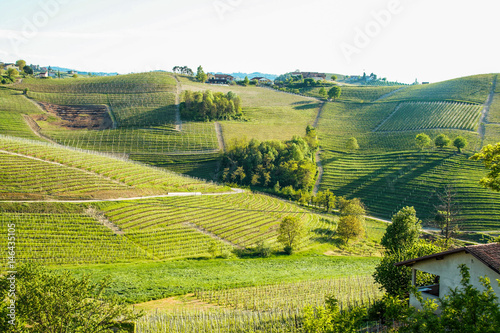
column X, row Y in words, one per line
column 219, row 78
column 262, row 80
column 482, row 260
column 311, row 75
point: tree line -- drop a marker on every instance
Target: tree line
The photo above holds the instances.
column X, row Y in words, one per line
column 208, row 105
column 272, row 164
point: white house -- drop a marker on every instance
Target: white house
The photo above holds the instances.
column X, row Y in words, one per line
column 482, row 260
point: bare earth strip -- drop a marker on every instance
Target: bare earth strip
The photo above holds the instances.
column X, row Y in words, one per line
column 220, row 136
column 178, row 121
column 388, row 94
column 484, row 115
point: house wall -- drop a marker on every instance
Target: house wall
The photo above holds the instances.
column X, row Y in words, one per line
column 449, row 273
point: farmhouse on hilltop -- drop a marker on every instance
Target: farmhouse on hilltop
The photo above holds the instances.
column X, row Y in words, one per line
column 261, row 80
column 8, row 66
column 219, row 78
column 311, row 75
column 482, row 260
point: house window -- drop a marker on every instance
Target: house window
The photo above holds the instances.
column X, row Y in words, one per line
column 430, row 289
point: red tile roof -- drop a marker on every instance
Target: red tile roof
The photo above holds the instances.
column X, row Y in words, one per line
column 488, row 254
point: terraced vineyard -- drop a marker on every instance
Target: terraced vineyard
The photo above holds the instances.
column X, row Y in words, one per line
column 163, row 225
column 354, row 290
column 194, row 137
column 64, row 238
column 432, row 115
column 387, row 182
column 472, row 89
column 142, row 179
column 357, row 94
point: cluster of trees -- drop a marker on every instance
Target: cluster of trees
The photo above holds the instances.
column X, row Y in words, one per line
column 185, row 70
column 10, row 75
column 296, row 84
column 422, row 141
column 210, row 106
column 47, row 301
column 201, row 76
column 273, row 164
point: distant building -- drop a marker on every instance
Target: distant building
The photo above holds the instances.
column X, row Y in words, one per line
column 482, row 260
column 9, row 66
column 425, row 82
column 43, row 75
column 72, row 72
column 262, row 80
column 219, row 78
column 311, row 75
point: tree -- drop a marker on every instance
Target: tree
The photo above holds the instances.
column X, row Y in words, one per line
column 334, row 77
column 404, row 230
column 12, row 73
column 290, row 232
column 422, row 141
column 200, row 75
column 28, row 70
column 442, row 141
column 396, row 280
column 447, row 213
column 464, row 309
column 350, row 227
column 352, row 219
column 21, row 64
column 246, row 81
column 322, row 92
column 48, row 301
column 334, row 92
column 490, row 155
column 352, row 144
column 459, row 143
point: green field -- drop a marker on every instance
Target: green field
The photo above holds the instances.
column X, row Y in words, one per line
column 163, row 279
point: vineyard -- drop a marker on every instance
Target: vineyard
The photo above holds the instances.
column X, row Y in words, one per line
column 472, row 89
column 432, row 115
column 51, row 238
column 289, row 296
column 387, row 182
column 143, row 179
column 242, row 219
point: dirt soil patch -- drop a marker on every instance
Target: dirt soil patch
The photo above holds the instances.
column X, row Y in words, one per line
column 94, row 117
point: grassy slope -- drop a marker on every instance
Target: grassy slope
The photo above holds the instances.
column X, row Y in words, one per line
column 271, row 114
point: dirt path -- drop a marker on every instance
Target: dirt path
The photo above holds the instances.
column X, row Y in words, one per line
column 220, row 136
column 388, row 94
column 212, row 235
column 386, row 119
column 484, row 114
column 172, row 194
column 318, row 116
column 36, row 129
column 320, row 173
column 178, row 121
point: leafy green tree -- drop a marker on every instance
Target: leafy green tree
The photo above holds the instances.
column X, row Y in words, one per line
column 352, row 144
column 459, row 143
column 334, row 77
column 442, row 141
column 290, row 233
column 352, row 219
column 422, row 141
column 334, row 92
column 404, row 230
column 463, row 309
column 200, row 75
column 246, row 81
column 48, row 301
column 322, row 92
column 490, row 155
column 396, row 280
column 21, row 64
column 12, row 73
column 28, row 70
column 448, row 213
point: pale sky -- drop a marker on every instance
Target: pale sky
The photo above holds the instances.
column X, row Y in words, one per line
column 398, row 39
